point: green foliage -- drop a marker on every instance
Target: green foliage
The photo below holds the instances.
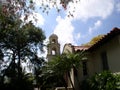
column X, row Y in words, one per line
column 65, row 62
column 104, row 81
column 50, row 77
column 57, row 70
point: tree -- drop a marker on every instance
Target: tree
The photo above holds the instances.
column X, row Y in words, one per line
column 49, row 79
column 19, row 43
column 59, row 68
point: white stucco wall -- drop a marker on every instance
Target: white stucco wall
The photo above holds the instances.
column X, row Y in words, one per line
column 113, row 55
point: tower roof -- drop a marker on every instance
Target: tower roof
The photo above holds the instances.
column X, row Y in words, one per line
column 53, row 36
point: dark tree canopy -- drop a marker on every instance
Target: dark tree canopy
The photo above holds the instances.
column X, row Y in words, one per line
column 19, row 44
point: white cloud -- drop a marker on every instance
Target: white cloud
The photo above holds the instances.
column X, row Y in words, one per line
column 86, row 9
column 64, row 30
column 96, row 25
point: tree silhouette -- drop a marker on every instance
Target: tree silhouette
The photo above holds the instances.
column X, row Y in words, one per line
column 19, row 44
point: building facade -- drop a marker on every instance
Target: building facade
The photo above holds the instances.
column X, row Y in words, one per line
column 103, row 55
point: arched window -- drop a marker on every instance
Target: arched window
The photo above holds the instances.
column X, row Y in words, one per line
column 53, row 41
column 54, row 51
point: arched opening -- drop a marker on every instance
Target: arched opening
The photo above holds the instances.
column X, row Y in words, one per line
column 53, row 41
column 54, row 51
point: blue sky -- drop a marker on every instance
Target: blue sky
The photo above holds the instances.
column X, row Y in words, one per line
column 91, row 18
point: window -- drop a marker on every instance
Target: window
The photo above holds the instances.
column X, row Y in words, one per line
column 104, row 61
column 53, row 51
column 84, row 65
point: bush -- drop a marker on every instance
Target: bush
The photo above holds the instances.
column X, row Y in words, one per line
column 102, row 81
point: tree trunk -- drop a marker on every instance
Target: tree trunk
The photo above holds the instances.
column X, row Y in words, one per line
column 13, row 60
column 19, row 65
column 65, row 84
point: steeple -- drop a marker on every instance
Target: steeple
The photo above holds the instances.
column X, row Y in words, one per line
column 53, row 47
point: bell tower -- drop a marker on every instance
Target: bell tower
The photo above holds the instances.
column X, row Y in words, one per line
column 53, row 48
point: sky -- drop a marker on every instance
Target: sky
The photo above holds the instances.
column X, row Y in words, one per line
column 90, row 18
